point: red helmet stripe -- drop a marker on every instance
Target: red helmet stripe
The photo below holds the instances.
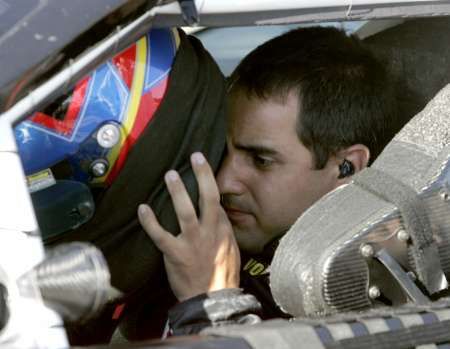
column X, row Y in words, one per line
column 141, row 107
column 133, row 107
column 65, row 127
column 149, row 103
column 124, row 63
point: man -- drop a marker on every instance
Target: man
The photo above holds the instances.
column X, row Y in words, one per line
column 307, row 110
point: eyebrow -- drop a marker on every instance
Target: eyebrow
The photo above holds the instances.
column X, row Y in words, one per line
column 256, row 149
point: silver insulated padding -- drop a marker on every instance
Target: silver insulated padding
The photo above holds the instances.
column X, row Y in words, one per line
column 383, row 239
column 73, row 280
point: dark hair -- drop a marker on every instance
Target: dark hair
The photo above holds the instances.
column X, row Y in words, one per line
column 345, row 94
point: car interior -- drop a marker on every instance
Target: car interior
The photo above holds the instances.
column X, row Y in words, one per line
column 384, row 255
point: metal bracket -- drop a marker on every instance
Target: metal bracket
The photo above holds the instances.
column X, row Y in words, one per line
column 189, row 12
column 410, row 288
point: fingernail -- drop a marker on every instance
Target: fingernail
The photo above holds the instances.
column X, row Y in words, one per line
column 143, row 209
column 171, row 176
column 198, row 158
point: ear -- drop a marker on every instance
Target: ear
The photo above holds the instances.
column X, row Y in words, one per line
column 357, row 154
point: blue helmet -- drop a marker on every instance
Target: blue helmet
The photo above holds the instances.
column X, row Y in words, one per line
column 90, row 131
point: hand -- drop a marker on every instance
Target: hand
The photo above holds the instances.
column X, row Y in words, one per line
column 204, row 256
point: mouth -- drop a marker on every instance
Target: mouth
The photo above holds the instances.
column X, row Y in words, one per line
column 236, row 215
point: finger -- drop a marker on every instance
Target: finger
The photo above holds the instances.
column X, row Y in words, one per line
column 162, row 238
column 226, row 228
column 185, row 211
column 209, row 197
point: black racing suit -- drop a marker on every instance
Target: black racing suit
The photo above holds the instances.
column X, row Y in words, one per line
column 251, row 303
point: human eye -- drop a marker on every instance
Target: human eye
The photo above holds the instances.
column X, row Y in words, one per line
column 262, row 162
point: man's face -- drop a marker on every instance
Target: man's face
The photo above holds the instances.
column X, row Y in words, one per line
column 268, row 179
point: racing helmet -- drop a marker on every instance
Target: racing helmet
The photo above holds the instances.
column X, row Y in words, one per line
column 81, row 141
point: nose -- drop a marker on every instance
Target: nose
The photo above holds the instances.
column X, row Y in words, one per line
column 230, row 179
